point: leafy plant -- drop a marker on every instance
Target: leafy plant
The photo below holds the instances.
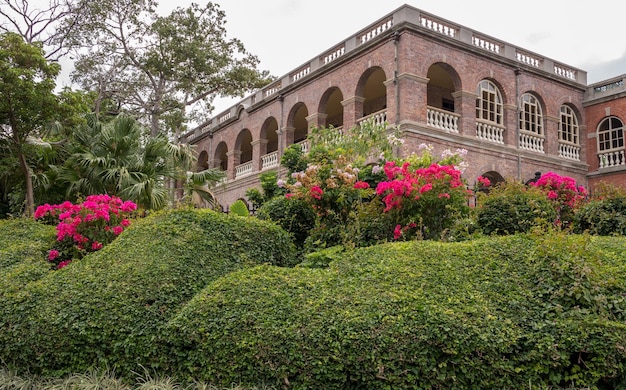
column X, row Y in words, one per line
column 239, row 208
column 604, row 214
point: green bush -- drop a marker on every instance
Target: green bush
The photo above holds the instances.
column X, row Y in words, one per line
column 494, row 313
column 514, row 208
column 604, row 214
column 293, row 215
column 109, row 309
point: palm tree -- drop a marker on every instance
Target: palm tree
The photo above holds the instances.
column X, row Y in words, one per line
column 111, row 158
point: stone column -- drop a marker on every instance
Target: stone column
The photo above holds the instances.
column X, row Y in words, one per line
column 234, row 158
column 352, row 111
column 465, row 106
column 551, row 140
column 412, row 103
column 259, row 149
column 316, row 120
column 511, row 125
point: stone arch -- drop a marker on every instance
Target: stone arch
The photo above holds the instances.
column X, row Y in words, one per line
column 330, row 105
column 243, row 145
column 220, row 158
column 269, row 132
column 203, row 161
column 372, row 89
column 298, row 122
column 443, row 81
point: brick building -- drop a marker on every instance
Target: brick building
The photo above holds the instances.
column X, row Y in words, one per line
column 515, row 112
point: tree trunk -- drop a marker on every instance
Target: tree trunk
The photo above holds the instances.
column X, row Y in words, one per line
column 30, row 199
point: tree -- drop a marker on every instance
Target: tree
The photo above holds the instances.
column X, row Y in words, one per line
column 48, row 24
column 111, row 158
column 28, row 103
column 156, row 66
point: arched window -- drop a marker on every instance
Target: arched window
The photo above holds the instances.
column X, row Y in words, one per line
column 611, row 143
column 568, row 126
column 489, row 102
column 569, row 137
column 530, row 115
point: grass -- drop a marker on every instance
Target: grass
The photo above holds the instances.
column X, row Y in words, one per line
column 107, row 380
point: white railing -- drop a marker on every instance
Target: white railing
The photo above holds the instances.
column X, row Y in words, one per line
column 563, row 71
column 486, row 44
column 333, row 55
column 304, row 146
column 378, row 118
column 570, row 152
column 490, row 132
column 443, row 120
column 224, row 117
column 531, row 142
column 437, row 26
column 244, row 169
column 303, row 72
column 612, row 159
column 528, row 59
column 376, row 31
column 270, row 160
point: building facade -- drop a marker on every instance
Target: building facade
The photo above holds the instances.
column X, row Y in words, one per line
column 514, row 111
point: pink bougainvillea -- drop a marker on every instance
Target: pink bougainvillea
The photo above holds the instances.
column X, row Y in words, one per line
column 85, row 227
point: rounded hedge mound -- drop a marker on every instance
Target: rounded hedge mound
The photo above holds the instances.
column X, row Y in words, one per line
column 109, row 309
column 499, row 312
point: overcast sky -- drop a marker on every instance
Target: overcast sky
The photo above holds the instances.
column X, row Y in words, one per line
column 284, row 34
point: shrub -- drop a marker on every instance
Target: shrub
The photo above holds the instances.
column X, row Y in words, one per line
column 293, row 215
column 604, row 214
column 110, row 309
column 86, row 227
column 564, row 194
column 513, row 208
column 498, row 312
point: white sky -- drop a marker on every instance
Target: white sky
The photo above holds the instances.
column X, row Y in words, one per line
column 284, row 34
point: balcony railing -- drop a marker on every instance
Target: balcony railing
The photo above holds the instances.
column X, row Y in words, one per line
column 304, row 146
column 490, row 132
column 570, row 152
column 612, row 159
column 244, row 169
column 270, row 160
column 378, row 118
column 532, row 142
column 442, row 119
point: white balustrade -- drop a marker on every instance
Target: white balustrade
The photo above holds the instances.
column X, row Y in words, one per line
column 224, row 117
column 486, row 45
column 438, row 27
column 272, row 90
column 303, row 72
column 528, row 59
column 270, row 160
column 304, row 146
column 612, row 159
column 443, row 120
column 376, row 31
column 532, row 142
column 564, row 72
column 244, row 169
column 570, row 152
column 333, row 55
column 378, row 118
column 490, row 132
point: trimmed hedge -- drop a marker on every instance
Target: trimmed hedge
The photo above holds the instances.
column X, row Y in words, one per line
column 110, row 308
column 499, row 312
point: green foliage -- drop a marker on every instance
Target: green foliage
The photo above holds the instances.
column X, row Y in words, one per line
column 512, row 207
column 604, row 214
column 293, row 215
column 110, row 309
column 239, row 208
column 294, row 159
column 269, row 189
column 494, row 313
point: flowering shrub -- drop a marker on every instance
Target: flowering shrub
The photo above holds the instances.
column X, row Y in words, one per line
column 565, row 195
column 426, row 201
column 85, row 227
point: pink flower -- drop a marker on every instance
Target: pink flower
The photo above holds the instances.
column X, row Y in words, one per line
column 484, row 181
column 117, row 230
column 289, row 195
column 316, row 192
column 125, row 222
column 361, row 185
column 397, row 232
column 552, row 195
column 53, row 254
column 96, row 245
column 63, row 264
column 444, row 195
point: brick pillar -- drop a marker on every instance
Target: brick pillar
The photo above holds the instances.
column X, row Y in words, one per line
column 288, row 136
column 465, row 106
column 511, row 124
column 259, row 149
column 352, row 111
column 234, row 159
column 551, row 140
column 413, row 91
column 316, row 120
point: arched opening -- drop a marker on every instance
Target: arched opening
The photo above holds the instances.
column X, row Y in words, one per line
column 494, row 177
column 441, row 86
column 297, row 120
column 330, row 104
column 221, row 156
column 269, row 131
column 373, row 91
column 244, row 146
column 203, row 161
